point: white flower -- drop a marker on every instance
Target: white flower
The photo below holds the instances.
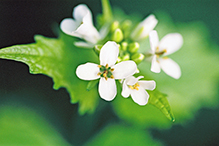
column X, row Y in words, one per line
column 136, row 88
column 81, row 26
column 159, row 50
column 143, row 29
column 107, row 71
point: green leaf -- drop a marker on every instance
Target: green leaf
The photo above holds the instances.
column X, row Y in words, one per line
column 122, row 135
column 92, row 84
column 21, row 126
column 58, row 58
column 160, row 101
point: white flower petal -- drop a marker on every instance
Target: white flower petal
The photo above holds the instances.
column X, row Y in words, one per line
column 88, row 32
column 170, row 67
column 131, row 80
column 125, row 90
column 171, row 43
column 80, row 12
column 148, row 24
column 104, row 30
column 86, row 29
column 107, row 89
column 84, row 44
column 88, row 71
column 140, row 77
column 124, row 69
column 140, row 96
column 68, row 26
column 155, row 67
column 154, row 40
column 109, row 53
column 149, row 85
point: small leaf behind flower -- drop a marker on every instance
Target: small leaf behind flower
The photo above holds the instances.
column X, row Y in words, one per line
column 91, row 84
column 159, row 100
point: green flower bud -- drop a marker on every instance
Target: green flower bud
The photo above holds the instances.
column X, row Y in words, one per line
column 124, row 46
column 114, row 25
column 126, row 57
column 137, row 57
column 97, row 49
column 126, row 25
column 133, row 47
column 117, row 35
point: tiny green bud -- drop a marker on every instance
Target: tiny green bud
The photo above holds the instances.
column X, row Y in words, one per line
column 97, row 49
column 126, row 25
column 137, row 57
column 114, row 25
column 133, row 47
column 117, row 35
column 124, row 46
column 126, row 57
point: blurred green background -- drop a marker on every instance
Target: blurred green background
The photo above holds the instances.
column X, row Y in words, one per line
column 20, row 91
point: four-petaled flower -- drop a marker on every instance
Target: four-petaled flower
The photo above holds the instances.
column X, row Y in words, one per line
column 107, row 71
column 159, row 50
column 137, row 89
column 144, row 28
column 81, row 26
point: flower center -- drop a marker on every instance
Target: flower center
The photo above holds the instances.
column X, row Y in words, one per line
column 160, row 53
column 106, row 71
column 134, row 86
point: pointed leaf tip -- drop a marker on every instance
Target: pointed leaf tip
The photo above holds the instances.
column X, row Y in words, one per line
column 159, row 100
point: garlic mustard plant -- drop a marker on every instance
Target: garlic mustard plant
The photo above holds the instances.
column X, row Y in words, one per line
column 116, row 43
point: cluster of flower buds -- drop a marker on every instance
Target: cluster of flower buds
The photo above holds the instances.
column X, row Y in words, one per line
column 117, row 45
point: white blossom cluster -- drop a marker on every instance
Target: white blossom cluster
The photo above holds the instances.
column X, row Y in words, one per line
column 112, row 68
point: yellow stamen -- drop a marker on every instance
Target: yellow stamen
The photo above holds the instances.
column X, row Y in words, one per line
column 99, row 66
column 99, row 73
column 165, row 50
column 112, row 69
column 165, row 57
column 131, row 87
column 160, row 53
column 157, row 49
column 134, row 86
column 104, row 75
column 112, row 77
column 107, row 66
column 106, row 78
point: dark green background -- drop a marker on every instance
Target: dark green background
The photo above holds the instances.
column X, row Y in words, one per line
column 20, row 20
